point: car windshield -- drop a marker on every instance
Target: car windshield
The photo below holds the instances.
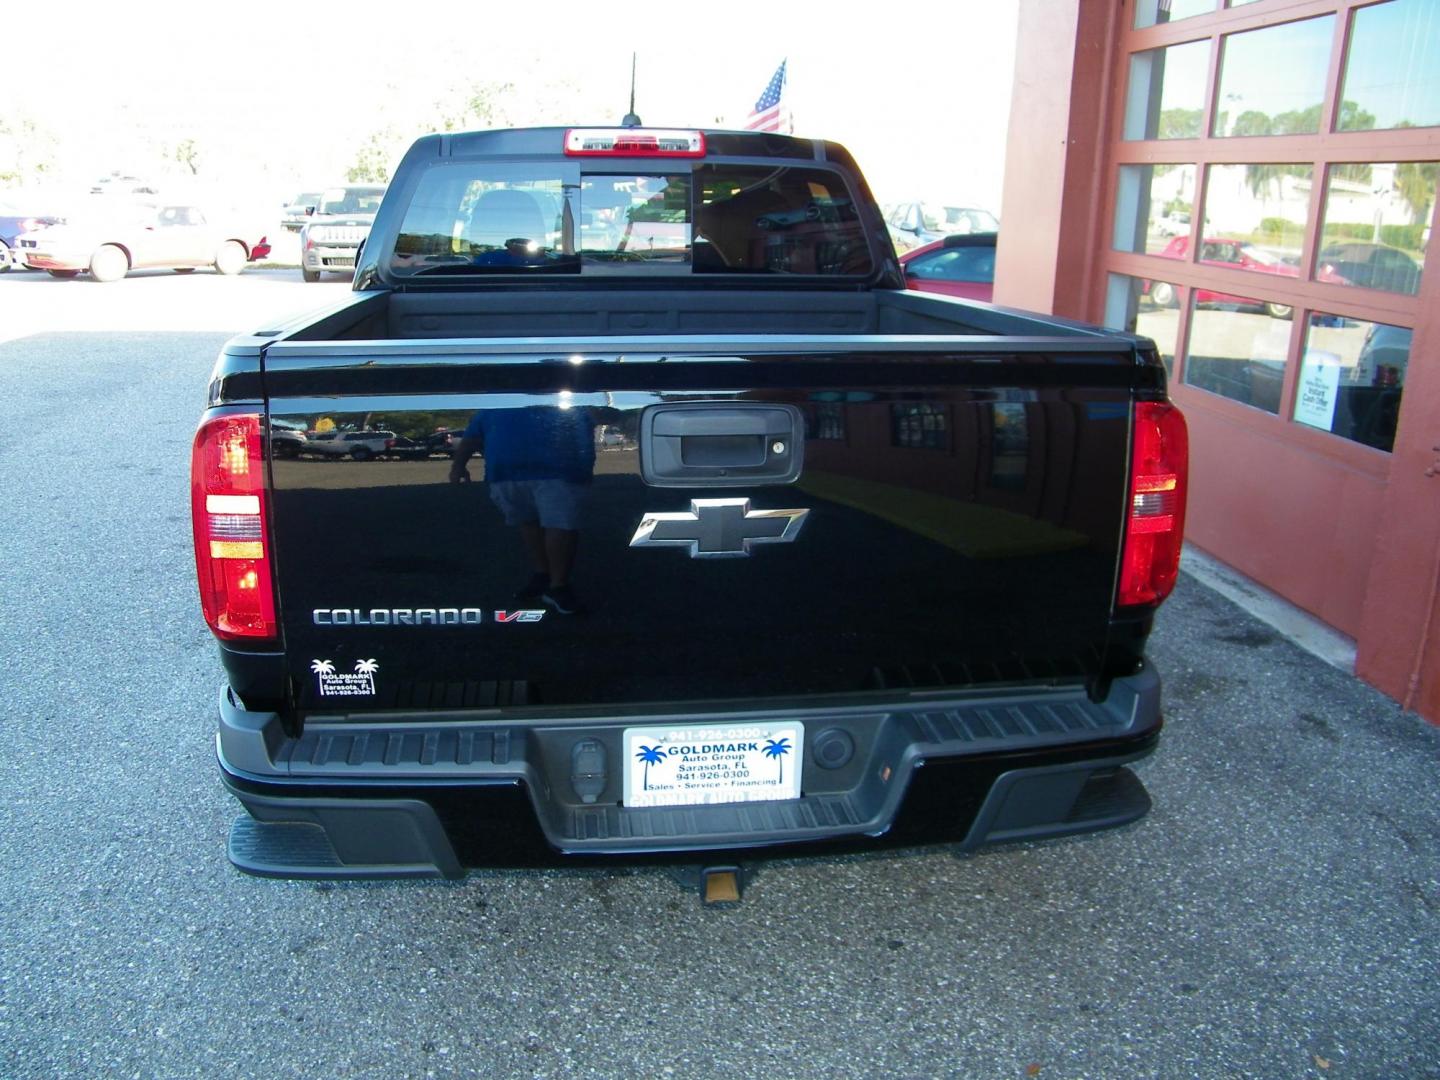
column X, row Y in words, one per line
column 969, row 264
column 957, row 219
column 549, row 217
column 351, row 200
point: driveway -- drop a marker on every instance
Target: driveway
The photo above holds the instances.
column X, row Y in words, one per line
column 1275, row 916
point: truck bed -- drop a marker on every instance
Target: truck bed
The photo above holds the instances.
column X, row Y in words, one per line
column 460, row 316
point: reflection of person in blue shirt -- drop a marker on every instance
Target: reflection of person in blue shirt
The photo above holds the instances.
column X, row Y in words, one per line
column 538, row 463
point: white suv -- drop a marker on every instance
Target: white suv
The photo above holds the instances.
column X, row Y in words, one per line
column 360, row 445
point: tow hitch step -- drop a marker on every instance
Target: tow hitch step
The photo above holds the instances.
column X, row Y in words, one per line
column 717, row 886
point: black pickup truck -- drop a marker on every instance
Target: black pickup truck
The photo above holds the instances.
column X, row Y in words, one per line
column 743, row 546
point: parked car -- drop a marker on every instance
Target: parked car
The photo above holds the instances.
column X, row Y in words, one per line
column 1373, row 266
column 14, row 220
column 1237, row 254
column 331, row 236
column 360, row 445
column 118, row 186
column 437, row 442
column 912, row 224
column 176, row 236
column 957, row 266
column 298, row 210
column 287, row 439
column 1384, row 356
column 1174, row 223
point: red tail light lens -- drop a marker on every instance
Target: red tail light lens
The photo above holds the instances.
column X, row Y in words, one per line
column 634, row 142
column 227, row 508
column 1155, row 527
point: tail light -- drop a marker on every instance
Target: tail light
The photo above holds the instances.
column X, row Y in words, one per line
column 389, row 444
column 634, row 142
column 227, row 507
column 1155, row 526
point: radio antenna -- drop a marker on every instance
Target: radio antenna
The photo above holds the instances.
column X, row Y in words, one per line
column 631, row 120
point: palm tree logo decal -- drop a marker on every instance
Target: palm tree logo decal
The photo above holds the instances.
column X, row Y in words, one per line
column 649, row 755
column 777, row 749
column 366, row 667
column 322, row 667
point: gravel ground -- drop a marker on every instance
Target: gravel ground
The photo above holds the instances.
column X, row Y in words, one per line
column 1275, row 916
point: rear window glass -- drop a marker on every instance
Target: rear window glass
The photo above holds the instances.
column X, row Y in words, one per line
column 552, row 218
column 351, row 200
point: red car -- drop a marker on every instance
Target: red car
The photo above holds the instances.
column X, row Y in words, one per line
column 1240, row 255
column 957, row 266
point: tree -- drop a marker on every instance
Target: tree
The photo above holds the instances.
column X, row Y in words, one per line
column 187, row 153
column 1180, row 124
column 474, row 105
column 1356, row 171
column 777, row 749
column 1354, row 118
column 372, row 163
column 478, row 106
column 649, row 755
column 1252, row 122
column 27, row 150
column 1416, row 182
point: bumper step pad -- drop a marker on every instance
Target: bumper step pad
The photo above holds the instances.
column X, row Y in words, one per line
column 349, row 800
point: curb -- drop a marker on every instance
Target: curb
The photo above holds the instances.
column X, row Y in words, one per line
column 1305, row 630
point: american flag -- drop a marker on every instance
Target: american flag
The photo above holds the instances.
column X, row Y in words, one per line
column 770, row 112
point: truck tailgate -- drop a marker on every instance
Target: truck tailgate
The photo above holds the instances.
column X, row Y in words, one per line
column 936, row 514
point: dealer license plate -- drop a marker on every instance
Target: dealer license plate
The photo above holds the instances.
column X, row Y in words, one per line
column 684, row 766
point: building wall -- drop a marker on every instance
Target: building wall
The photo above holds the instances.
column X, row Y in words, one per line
column 1132, row 200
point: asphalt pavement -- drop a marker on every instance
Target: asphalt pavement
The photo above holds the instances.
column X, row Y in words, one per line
column 1275, row 916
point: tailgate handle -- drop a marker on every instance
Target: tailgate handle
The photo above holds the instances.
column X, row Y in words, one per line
column 724, row 444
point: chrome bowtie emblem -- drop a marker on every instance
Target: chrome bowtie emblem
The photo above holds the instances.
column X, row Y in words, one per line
column 719, row 528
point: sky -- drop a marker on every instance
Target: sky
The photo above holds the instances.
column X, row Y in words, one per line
column 279, row 97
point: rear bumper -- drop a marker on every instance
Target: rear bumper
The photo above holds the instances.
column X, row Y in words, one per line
column 51, row 260
column 396, row 799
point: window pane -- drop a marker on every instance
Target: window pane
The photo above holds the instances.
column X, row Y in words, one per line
column 1009, row 445
column 1167, row 92
column 1153, row 12
column 1392, row 73
column 630, row 219
column 922, row 426
column 1351, row 377
column 1153, row 206
column 1375, row 224
column 1272, row 81
column 759, row 219
column 1237, row 349
column 1261, row 207
column 828, row 421
column 1147, row 308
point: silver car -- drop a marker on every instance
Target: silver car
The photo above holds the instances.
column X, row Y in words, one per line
column 331, row 236
column 360, row 445
column 179, row 237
